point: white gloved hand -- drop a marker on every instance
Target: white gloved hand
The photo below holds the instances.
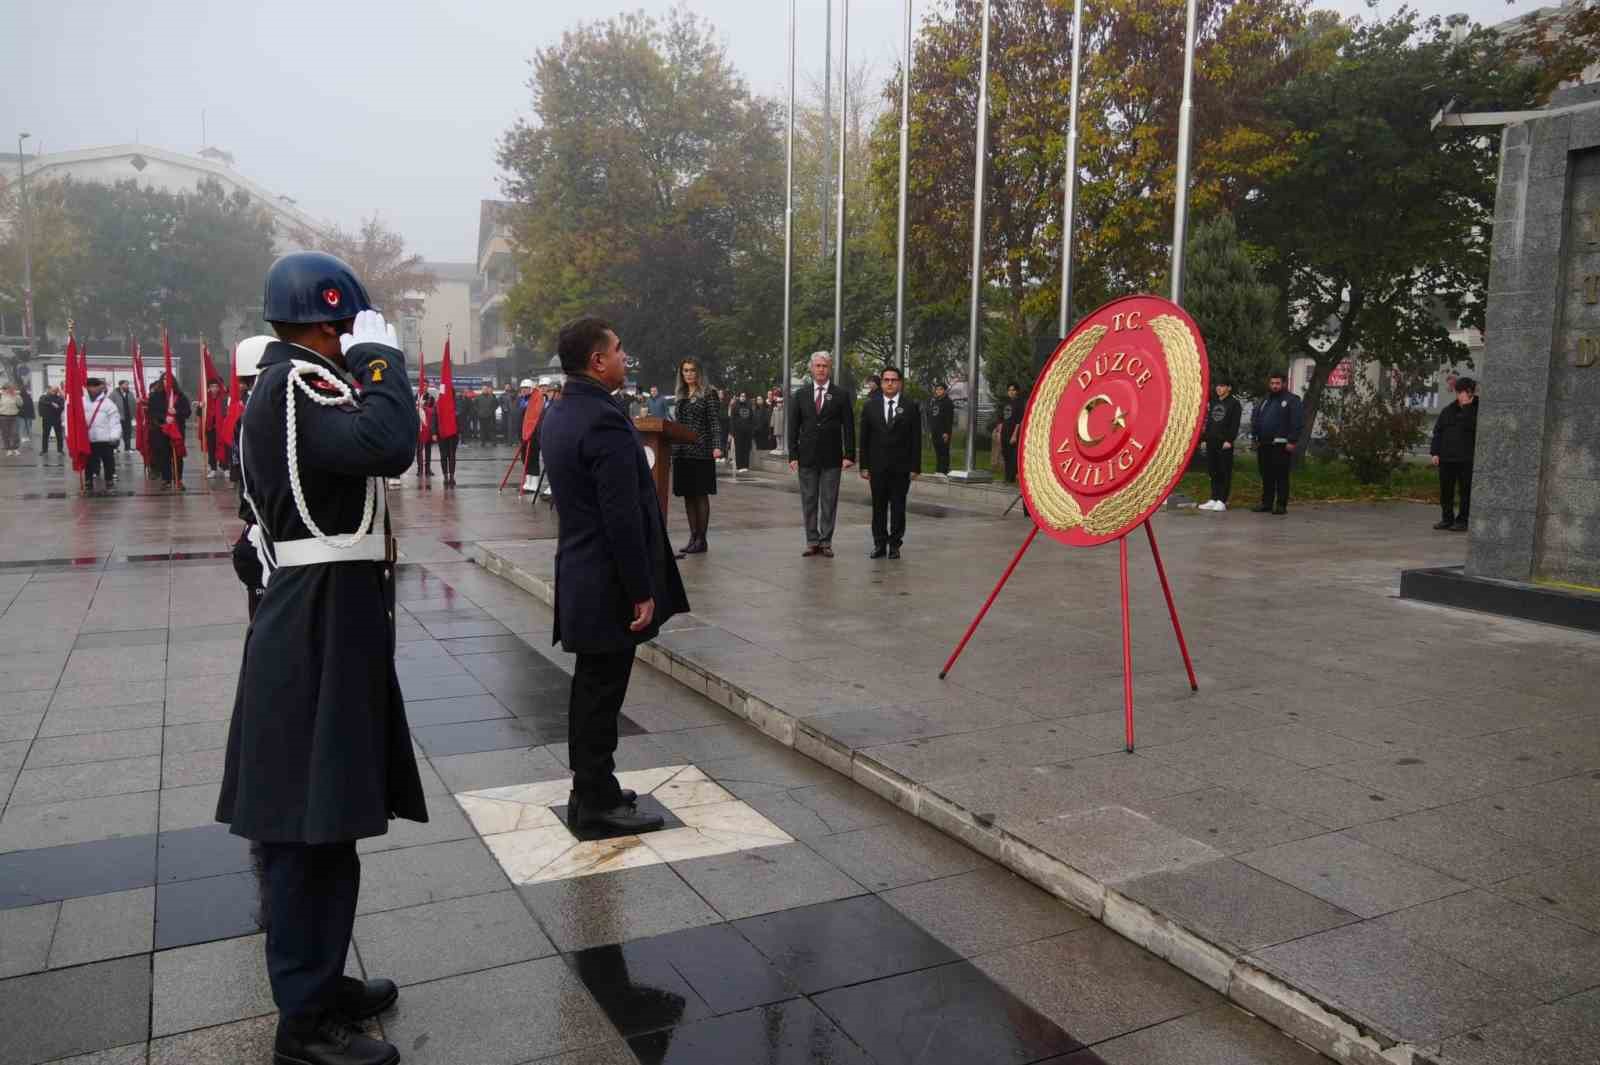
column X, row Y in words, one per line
column 369, row 328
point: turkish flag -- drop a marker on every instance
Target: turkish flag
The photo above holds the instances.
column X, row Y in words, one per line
column 77, row 419
column 141, row 396
column 445, row 411
column 235, row 402
column 169, row 426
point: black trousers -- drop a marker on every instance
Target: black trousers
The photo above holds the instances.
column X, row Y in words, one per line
column 1275, row 460
column 1219, row 464
column 447, row 456
column 44, row 441
column 889, row 507
column 941, row 453
column 530, row 466
column 741, row 450
column 311, row 894
column 424, row 463
column 1453, row 475
column 1009, row 451
column 102, row 460
column 599, row 685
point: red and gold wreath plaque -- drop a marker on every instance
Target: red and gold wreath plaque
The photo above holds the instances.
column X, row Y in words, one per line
column 1113, row 420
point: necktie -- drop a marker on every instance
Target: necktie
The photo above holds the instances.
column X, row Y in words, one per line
column 821, row 394
column 891, row 410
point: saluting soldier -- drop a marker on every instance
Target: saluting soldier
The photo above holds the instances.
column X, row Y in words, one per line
column 319, row 753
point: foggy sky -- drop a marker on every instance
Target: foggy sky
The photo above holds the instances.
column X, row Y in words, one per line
column 360, row 107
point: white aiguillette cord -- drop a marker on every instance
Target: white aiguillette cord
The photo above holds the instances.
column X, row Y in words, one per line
column 297, row 371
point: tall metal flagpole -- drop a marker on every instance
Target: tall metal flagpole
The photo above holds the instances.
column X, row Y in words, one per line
column 900, row 253
column 1069, row 193
column 788, row 237
column 838, row 228
column 970, row 473
column 1180, row 213
column 827, row 122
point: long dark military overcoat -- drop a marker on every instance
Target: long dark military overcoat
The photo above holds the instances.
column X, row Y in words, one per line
column 319, row 750
column 612, row 549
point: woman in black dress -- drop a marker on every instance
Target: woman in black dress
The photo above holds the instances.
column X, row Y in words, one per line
column 694, row 466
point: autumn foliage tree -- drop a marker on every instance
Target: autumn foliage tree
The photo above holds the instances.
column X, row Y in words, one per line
column 379, row 257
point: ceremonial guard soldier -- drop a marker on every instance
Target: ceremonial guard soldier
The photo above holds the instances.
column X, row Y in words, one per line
column 319, row 754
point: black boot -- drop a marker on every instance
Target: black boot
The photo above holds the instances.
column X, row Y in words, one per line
column 329, row 1041
column 622, row 818
column 356, row 1000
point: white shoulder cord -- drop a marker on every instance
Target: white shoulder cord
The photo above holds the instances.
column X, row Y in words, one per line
column 299, row 368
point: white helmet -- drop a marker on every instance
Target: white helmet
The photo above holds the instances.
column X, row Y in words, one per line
column 247, row 358
column 527, row 382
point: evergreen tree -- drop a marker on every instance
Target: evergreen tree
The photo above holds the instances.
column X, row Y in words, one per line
column 1235, row 310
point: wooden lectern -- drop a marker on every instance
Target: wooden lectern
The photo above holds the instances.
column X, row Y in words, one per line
column 659, row 434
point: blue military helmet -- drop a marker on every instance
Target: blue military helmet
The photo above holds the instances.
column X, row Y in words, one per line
column 312, row 286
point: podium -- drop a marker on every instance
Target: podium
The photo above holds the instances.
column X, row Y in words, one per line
column 659, row 434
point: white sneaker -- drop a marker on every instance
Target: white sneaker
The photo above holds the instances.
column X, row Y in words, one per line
column 742, row 469
column 1210, row 504
column 1219, row 505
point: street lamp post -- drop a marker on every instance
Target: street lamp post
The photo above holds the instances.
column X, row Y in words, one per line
column 971, row 473
column 1180, row 211
column 788, row 235
column 27, row 251
column 1069, row 191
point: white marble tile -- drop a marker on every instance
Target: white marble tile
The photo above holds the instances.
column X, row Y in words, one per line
column 678, row 793
column 646, row 781
column 681, row 844
column 732, row 818
column 542, row 793
column 527, row 853
column 491, row 816
column 599, row 856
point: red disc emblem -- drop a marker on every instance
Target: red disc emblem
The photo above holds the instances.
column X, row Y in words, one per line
column 330, row 296
column 1113, row 420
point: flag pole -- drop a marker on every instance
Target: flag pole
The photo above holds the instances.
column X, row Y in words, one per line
column 970, row 473
column 1070, row 183
column 900, row 251
column 1180, row 212
column 838, row 229
column 788, row 238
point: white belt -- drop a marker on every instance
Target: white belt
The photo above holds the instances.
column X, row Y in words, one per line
column 313, row 552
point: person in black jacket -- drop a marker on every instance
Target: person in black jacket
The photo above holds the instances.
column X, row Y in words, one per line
column 52, row 408
column 694, row 465
column 742, row 425
column 822, row 442
column 165, row 450
column 616, row 582
column 891, row 455
column 1275, row 427
column 941, row 422
column 1222, row 429
column 1010, row 416
column 1455, row 435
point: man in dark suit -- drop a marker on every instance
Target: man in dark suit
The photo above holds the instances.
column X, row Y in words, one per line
column 941, row 422
column 822, row 441
column 616, row 582
column 891, row 455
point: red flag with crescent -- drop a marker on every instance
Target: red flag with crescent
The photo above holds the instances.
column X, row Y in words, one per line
column 445, row 410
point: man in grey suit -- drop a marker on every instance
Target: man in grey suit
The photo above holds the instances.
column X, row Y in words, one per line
column 822, row 441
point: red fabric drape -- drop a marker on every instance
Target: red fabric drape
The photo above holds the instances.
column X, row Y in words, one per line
column 141, row 396
column 77, row 419
column 169, row 425
column 446, row 412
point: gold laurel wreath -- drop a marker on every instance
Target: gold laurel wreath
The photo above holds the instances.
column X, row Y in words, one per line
column 1056, row 506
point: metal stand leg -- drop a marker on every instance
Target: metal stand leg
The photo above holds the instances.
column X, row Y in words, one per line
column 1009, row 506
column 1127, row 646
column 1172, row 607
column 987, row 603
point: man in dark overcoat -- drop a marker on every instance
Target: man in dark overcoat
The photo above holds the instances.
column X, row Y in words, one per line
column 616, row 581
column 319, row 754
column 822, row 442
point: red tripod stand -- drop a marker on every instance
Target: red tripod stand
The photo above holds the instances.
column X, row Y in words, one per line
column 1127, row 620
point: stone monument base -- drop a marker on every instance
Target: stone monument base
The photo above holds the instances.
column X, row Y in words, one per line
column 1551, row 604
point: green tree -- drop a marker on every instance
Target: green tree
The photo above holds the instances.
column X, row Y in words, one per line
column 1373, row 428
column 1236, row 312
column 218, row 251
column 57, row 252
column 647, row 178
column 1378, row 220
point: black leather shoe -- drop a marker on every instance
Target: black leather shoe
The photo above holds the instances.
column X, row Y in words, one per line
column 628, row 796
column 1459, row 525
column 1443, row 525
column 879, row 551
column 1280, row 511
column 624, row 818
column 1262, row 509
column 356, row 1000
column 894, row 552
column 332, row 1041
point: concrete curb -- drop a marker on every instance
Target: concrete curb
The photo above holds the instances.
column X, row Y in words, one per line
column 1300, row 1013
